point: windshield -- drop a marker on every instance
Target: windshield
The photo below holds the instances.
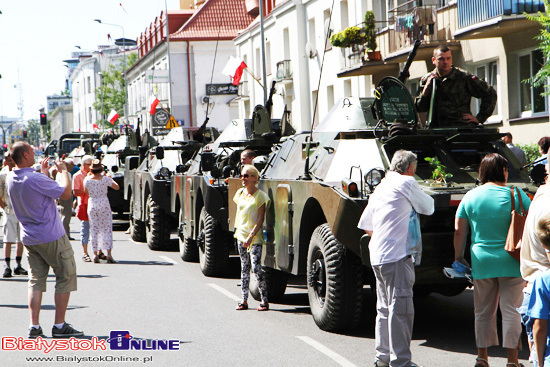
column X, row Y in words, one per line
column 171, row 160
column 118, row 145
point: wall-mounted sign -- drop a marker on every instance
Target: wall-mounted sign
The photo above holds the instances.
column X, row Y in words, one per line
column 157, row 76
column 160, row 119
column 213, row 89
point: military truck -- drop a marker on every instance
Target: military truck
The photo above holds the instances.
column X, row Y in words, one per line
column 70, row 141
column 320, row 183
column 147, row 188
column 200, row 194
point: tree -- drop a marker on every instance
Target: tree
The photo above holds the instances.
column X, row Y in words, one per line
column 111, row 90
column 33, row 131
column 540, row 79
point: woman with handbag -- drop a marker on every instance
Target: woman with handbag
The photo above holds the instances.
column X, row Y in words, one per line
column 486, row 212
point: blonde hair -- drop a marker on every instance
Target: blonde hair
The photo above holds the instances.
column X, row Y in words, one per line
column 543, row 231
column 250, row 169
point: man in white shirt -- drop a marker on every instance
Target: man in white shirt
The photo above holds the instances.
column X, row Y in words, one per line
column 391, row 219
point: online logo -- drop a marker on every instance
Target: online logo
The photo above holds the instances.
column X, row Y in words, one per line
column 122, row 340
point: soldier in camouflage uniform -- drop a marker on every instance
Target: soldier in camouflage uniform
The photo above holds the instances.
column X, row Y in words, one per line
column 454, row 90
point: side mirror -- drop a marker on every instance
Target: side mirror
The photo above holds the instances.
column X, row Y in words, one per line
column 159, row 152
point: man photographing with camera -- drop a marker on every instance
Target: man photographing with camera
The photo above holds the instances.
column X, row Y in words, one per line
column 33, row 197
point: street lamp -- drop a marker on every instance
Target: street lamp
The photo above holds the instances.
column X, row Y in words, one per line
column 124, row 66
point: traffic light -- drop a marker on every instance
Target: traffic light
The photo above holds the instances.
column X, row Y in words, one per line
column 5, row 146
column 24, row 134
column 43, row 119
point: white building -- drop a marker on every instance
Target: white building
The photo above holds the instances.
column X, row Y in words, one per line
column 85, row 79
column 198, row 49
column 496, row 43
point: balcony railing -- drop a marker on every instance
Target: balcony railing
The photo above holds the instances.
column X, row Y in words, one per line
column 284, row 70
column 475, row 11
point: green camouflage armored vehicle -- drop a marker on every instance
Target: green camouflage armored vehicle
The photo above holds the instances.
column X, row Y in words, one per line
column 320, row 183
column 200, row 194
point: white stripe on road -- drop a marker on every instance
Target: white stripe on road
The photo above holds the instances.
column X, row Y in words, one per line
column 168, row 259
column 321, row 348
column 225, row 292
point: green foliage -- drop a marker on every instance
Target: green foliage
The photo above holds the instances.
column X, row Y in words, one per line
column 348, row 37
column 370, row 30
column 33, row 131
column 438, row 174
column 110, row 94
column 541, row 78
column 531, row 151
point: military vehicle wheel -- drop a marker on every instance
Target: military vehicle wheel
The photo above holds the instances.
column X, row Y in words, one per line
column 137, row 227
column 213, row 251
column 335, row 281
column 276, row 282
column 157, row 227
column 188, row 248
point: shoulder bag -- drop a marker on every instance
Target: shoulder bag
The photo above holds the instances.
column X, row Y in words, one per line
column 513, row 240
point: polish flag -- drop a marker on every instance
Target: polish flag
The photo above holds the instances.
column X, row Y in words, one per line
column 113, row 116
column 154, row 104
column 95, row 127
column 234, row 68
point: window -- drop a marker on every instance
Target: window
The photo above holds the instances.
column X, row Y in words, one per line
column 344, row 22
column 531, row 99
column 89, row 84
column 330, row 97
column 268, row 58
column 327, row 30
column 489, row 73
column 311, row 31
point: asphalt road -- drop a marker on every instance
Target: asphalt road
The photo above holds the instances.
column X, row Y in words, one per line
column 154, row 296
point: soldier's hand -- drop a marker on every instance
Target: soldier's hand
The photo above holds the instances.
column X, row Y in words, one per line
column 470, row 118
column 428, row 86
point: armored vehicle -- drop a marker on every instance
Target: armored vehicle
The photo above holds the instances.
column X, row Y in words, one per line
column 320, row 183
column 114, row 159
column 147, row 187
column 200, row 194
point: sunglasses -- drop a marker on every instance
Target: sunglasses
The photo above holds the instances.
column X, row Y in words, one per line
column 246, row 175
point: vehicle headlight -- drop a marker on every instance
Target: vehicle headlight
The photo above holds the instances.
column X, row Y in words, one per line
column 373, row 178
column 163, row 174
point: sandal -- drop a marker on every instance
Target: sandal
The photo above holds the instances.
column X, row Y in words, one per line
column 110, row 260
column 241, row 307
column 263, row 307
column 102, row 256
column 86, row 258
column 481, row 362
column 515, row 364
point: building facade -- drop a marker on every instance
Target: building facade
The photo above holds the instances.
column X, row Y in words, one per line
column 497, row 43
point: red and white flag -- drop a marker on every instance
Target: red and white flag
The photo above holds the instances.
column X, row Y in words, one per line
column 234, row 68
column 154, row 104
column 95, row 127
column 113, row 116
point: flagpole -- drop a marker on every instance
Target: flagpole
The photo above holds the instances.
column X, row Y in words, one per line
column 169, row 63
column 254, row 77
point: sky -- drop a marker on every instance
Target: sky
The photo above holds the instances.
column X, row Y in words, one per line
column 37, row 35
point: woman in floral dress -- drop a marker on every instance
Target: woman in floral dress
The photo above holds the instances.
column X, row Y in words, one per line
column 99, row 210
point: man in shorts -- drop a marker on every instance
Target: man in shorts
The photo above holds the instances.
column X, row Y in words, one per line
column 10, row 223
column 33, row 196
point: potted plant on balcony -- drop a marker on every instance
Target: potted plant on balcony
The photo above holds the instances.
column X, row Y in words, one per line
column 370, row 35
column 349, row 37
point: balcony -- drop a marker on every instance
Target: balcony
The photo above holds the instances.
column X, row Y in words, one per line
column 284, row 71
column 242, row 90
column 495, row 18
column 430, row 21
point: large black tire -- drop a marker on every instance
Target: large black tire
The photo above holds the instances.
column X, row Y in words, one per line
column 188, row 248
column 137, row 227
column 157, row 228
column 335, row 282
column 213, row 251
column 275, row 281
